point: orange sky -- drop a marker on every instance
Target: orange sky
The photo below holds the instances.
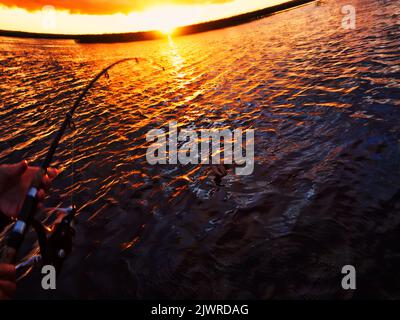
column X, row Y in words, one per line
column 102, row 16
column 101, row 6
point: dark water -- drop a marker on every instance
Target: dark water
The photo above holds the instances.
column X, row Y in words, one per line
column 325, row 105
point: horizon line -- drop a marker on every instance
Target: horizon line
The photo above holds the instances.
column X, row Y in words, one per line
column 156, row 34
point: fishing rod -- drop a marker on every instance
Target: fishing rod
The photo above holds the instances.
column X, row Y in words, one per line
column 58, row 245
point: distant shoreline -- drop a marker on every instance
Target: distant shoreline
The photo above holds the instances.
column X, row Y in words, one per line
column 154, row 35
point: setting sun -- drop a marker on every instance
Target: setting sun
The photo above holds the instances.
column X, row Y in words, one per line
column 168, row 30
column 167, row 18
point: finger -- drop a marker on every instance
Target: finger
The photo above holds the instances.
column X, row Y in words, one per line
column 7, row 271
column 8, row 288
column 52, row 173
column 46, row 182
column 41, row 195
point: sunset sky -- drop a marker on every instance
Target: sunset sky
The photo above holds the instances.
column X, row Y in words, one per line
column 102, row 16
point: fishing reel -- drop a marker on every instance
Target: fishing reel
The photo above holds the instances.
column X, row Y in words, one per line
column 55, row 244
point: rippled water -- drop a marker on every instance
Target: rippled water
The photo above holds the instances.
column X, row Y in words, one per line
column 325, row 105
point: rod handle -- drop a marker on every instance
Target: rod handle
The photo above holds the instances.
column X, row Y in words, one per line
column 16, row 236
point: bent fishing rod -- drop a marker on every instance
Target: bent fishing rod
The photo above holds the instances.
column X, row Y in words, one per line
column 54, row 248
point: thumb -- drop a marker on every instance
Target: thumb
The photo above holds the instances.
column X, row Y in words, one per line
column 15, row 170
